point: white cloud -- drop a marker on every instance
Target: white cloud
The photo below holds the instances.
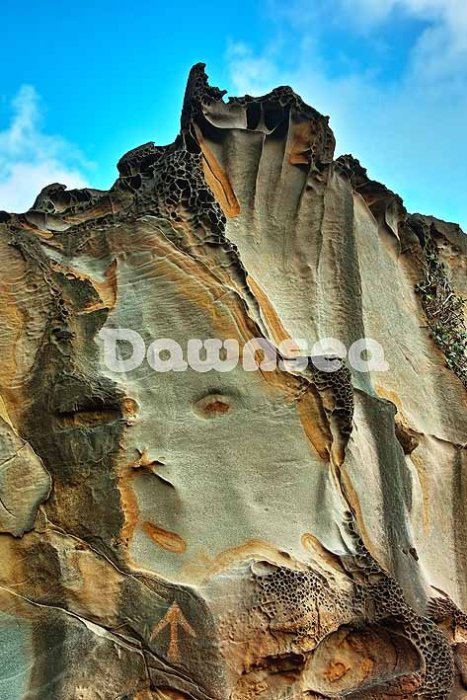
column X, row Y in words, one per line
column 451, row 13
column 251, row 73
column 30, row 159
column 442, row 46
column 410, row 130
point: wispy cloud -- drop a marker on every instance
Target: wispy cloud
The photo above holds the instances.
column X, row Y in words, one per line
column 441, row 49
column 409, row 130
column 30, row 159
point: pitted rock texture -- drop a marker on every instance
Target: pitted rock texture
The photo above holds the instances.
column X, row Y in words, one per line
column 282, row 534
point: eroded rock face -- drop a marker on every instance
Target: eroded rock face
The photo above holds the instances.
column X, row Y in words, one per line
column 275, row 534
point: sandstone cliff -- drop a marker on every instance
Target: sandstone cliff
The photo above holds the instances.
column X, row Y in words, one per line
column 284, row 533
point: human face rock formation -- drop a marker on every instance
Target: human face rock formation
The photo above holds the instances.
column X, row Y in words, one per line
column 276, row 534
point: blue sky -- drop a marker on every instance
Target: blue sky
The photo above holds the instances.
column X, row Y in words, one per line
column 84, row 82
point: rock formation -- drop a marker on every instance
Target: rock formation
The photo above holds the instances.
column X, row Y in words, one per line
column 279, row 534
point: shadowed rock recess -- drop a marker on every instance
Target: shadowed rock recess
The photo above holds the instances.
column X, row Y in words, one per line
column 242, row 535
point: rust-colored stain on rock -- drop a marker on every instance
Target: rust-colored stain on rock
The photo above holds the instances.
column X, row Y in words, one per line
column 165, row 539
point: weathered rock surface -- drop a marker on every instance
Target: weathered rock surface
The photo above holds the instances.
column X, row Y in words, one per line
column 241, row 535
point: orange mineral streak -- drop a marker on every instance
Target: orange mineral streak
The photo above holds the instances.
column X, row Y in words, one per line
column 217, row 179
column 129, row 503
column 300, row 150
column 315, row 424
column 130, row 508
column 206, row 566
column 169, row 541
column 269, row 313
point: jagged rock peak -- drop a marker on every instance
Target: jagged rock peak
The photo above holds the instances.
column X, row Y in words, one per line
column 242, row 533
